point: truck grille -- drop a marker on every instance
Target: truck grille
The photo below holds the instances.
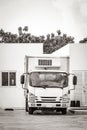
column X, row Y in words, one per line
column 48, row 100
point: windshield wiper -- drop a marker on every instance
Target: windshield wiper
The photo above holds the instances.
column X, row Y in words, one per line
column 44, row 86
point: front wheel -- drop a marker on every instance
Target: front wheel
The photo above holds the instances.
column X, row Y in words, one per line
column 31, row 111
column 64, row 111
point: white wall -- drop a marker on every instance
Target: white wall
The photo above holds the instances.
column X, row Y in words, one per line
column 62, row 52
column 78, row 66
column 78, row 57
column 12, row 59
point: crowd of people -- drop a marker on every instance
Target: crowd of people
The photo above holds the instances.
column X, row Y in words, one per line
column 51, row 42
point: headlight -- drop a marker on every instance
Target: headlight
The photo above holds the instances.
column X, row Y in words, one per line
column 64, row 98
column 32, row 97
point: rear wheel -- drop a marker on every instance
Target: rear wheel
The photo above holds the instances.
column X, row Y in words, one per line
column 26, row 104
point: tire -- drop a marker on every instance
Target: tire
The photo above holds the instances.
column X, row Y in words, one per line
column 57, row 110
column 26, row 104
column 30, row 111
column 64, row 111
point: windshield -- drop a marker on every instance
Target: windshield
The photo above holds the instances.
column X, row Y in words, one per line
column 49, row 79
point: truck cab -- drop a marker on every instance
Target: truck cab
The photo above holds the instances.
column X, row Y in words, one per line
column 46, row 91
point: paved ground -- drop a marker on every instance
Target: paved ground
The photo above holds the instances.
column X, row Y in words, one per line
column 20, row 120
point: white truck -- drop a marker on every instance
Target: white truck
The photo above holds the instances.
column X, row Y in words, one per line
column 45, row 83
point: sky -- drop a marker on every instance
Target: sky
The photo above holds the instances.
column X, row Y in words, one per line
column 45, row 16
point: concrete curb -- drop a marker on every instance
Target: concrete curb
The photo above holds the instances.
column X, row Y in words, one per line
column 77, row 110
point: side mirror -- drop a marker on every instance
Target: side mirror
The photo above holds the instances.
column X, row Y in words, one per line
column 74, row 80
column 22, row 79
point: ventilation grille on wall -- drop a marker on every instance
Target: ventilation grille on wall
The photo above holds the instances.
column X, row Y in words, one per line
column 44, row 62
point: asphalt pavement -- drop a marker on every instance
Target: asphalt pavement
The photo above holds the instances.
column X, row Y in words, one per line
column 20, row 120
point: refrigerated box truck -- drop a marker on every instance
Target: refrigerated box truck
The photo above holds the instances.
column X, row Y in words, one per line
column 45, row 83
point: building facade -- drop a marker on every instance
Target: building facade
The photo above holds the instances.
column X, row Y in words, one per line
column 11, row 67
column 77, row 54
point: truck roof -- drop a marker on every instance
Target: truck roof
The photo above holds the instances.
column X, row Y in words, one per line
column 47, row 71
column 46, row 56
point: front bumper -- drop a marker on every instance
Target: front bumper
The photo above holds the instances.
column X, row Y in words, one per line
column 48, row 105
